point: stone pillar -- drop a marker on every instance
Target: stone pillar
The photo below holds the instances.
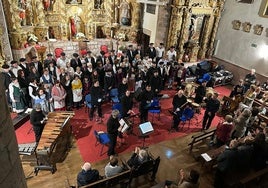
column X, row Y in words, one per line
column 11, row 172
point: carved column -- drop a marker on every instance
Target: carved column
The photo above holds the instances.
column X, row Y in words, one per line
column 184, row 32
column 90, row 31
column 11, row 172
column 217, row 17
column 203, row 46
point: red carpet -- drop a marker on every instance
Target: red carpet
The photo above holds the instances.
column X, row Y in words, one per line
column 83, row 129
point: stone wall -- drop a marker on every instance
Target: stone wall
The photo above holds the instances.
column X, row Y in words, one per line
column 11, row 172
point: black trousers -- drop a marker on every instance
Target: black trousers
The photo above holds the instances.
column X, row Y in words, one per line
column 98, row 106
column 112, row 145
column 38, row 132
column 207, row 119
column 143, row 114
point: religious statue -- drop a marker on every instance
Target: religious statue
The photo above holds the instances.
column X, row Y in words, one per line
column 125, row 13
column 48, row 4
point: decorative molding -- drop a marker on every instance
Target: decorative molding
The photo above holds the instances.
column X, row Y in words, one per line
column 236, row 24
column 258, row 29
column 246, row 26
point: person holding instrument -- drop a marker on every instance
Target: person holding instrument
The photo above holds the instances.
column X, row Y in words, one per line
column 37, row 119
column 179, row 101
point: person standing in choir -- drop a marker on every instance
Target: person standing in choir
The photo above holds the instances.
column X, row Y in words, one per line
column 77, row 91
column 59, row 95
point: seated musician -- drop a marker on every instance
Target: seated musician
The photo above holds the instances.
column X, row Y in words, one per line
column 238, row 89
column 87, row 175
column 37, row 119
column 112, row 168
column 223, row 131
column 264, row 86
column 127, row 104
column 137, row 158
column 179, row 101
column 200, row 92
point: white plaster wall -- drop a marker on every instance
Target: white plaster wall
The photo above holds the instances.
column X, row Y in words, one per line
column 150, row 23
column 235, row 45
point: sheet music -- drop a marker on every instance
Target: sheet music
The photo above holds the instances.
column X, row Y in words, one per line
column 124, row 124
column 206, row 157
column 146, row 127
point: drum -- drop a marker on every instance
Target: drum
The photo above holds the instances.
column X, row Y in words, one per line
column 196, row 107
column 189, row 100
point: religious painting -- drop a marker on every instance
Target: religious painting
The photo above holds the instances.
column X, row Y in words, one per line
column 246, row 27
column 236, row 24
column 73, row 1
column 263, row 12
column 258, row 29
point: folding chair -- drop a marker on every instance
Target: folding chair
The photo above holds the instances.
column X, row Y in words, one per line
column 103, row 139
column 155, row 108
column 187, row 115
column 114, row 95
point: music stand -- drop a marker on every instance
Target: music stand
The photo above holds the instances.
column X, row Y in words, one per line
column 145, row 129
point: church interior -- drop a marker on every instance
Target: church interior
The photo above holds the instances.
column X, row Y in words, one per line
column 232, row 34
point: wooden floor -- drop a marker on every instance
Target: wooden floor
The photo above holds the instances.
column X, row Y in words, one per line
column 174, row 156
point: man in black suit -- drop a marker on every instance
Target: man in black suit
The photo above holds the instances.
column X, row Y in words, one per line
column 7, row 75
column 101, row 57
column 48, row 60
column 130, row 54
column 139, row 51
column 151, row 51
column 37, row 64
column 75, row 61
column 179, row 101
column 146, row 98
column 24, row 66
column 112, row 57
column 90, row 59
column 96, row 100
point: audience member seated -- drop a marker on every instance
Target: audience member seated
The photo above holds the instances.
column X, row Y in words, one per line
column 87, row 175
column 238, row 89
column 260, row 148
column 223, row 131
column 137, row 158
column 112, row 168
column 240, row 123
column 264, row 86
column 250, row 79
column 186, row 180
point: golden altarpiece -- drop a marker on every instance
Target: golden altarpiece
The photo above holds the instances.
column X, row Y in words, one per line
column 70, row 20
column 193, row 27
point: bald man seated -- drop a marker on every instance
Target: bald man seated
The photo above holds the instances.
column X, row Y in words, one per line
column 87, row 175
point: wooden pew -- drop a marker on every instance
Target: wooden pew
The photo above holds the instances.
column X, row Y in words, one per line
column 201, row 137
column 121, row 178
column 253, row 175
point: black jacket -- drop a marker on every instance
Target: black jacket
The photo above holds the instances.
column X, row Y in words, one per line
column 96, row 93
column 113, row 125
column 127, row 104
column 36, row 117
column 87, row 177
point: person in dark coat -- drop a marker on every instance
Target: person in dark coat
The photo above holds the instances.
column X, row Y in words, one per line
column 87, row 175
column 156, row 83
column 37, row 64
column 122, row 88
column 212, row 106
column 112, row 129
column 146, row 98
column 127, row 104
column 75, row 61
column 179, row 101
column 96, row 100
column 151, row 51
column 137, row 158
column 200, row 93
column 37, row 119
column 24, row 66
